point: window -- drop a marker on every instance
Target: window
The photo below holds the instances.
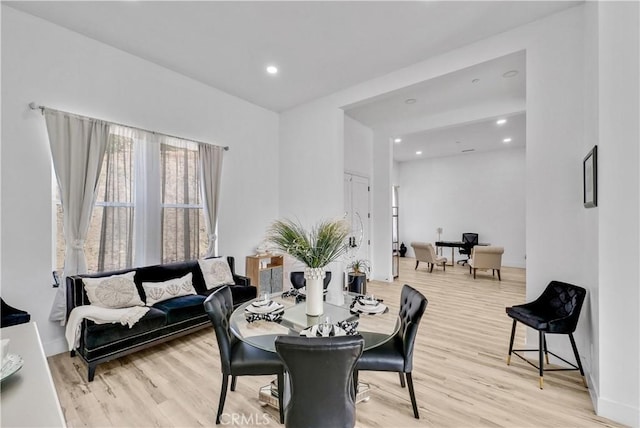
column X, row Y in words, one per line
column 183, row 228
column 109, row 243
column 148, row 206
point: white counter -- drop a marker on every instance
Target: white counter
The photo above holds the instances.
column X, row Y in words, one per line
column 28, row 398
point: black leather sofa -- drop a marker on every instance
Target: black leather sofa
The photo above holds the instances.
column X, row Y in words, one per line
column 165, row 320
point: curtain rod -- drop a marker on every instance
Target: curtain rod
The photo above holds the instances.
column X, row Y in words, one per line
column 34, row 106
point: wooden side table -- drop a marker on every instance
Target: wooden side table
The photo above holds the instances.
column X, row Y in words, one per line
column 266, row 272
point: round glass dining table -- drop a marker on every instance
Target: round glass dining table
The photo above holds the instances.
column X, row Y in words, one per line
column 375, row 329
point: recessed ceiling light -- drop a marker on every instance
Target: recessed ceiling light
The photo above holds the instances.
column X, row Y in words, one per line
column 501, row 121
column 272, row 69
column 510, row 73
column 410, row 101
column 418, row 152
column 397, row 140
column 475, row 80
column 507, row 140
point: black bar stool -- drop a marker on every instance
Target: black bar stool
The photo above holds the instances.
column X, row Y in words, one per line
column 556, row 311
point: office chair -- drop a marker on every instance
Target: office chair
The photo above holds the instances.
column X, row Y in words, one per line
column 556, row 311
column 470, row 240
column 238, row 358
column 321, row 378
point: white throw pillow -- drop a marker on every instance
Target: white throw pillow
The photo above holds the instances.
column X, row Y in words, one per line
column 216, row 272
column 115, row 291
column 159, row 291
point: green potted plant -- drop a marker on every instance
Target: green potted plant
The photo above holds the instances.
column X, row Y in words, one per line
column 359, row 267
column 357, row 275
column 316, row 248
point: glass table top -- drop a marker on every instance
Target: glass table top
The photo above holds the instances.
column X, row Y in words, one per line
column 376, row 329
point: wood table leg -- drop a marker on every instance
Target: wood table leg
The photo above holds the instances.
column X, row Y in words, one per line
column 452, row 261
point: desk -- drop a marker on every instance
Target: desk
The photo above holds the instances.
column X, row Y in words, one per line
column 456, row 244
column 375, row 329
column 29, row 397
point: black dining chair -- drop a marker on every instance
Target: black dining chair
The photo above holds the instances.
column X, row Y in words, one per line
column 320, row 373
column 12, row 316
column 298, row 281
column 396, row 355
column 238, row 358
column 556, row 311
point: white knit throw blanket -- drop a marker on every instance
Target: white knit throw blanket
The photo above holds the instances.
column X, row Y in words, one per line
column 99, row 315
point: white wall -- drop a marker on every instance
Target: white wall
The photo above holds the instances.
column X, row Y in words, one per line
column 619, row 210
column 590, row 217
column 312, row 174
column 556, row 221
column 358, row 148
column 395, row 174
column 312, row 159
column 555, row 149
column 382, row 198
column 478, row 192
column 55, row 67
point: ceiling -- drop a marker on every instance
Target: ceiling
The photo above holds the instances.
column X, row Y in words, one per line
column 482, row 136
column 319, row 47
column 454, row 112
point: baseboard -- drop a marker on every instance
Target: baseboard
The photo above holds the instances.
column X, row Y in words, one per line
column 57, row 346
column 593, row 391
column 622, row 413
column 618, row 412
column 514, row 264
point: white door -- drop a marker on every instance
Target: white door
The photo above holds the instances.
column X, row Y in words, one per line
column 356, row 203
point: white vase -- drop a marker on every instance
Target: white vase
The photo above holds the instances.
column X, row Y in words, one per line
column 314, row 278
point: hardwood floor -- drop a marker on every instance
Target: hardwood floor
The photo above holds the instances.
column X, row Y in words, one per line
column 459, row 371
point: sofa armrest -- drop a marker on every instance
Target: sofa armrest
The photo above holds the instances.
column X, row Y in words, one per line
column 237, row 279
column 69, row 296
column 75, row 293
column 241, row 280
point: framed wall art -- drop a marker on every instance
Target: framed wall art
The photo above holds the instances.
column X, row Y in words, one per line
column 590, row 179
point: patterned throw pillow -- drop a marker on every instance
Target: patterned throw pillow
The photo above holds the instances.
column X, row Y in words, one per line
column 159, row 291
column 216, row 272
column 116, row 291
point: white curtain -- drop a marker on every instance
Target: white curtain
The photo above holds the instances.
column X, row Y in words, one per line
column 145, row 246
column 78, row 146
column 211, row 171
